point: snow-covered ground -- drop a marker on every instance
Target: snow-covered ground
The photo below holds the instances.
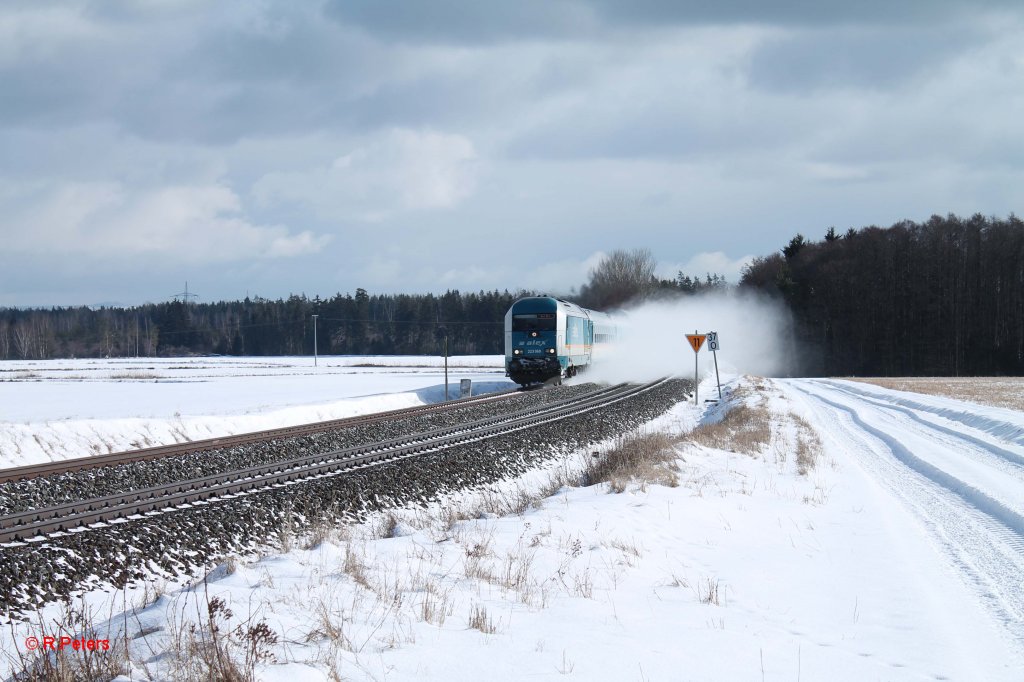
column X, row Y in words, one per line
column 1005, row 392
column 59, row 409
column 898, row 556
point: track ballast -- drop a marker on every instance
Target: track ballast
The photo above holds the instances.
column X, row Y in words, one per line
column 55, row 550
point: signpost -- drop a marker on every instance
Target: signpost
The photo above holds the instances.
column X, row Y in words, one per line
column 314, row 336
column 441, row 331
column 696, row 341
column 713, row 347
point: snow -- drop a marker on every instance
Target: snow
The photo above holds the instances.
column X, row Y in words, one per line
column 1000, row 422
column 1006, row 392
column 60, row 409
column 895, row 558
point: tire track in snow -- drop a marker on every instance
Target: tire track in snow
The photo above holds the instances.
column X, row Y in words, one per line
column 984, row 538
column 969, row 493
column 1016, row 460
column 1012, row 433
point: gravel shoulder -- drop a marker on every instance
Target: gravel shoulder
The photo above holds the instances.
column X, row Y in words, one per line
column 186, row 540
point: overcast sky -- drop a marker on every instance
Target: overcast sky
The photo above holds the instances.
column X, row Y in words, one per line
column 282, row 147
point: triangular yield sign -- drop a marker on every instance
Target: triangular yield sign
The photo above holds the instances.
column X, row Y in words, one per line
column 696, row 340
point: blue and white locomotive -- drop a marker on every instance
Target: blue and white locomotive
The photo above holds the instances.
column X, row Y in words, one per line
column 548, row 338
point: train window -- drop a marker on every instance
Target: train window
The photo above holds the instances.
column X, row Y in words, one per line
column 535, row 322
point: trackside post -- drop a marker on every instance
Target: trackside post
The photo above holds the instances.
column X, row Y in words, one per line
column 315, row 352
column 442, row 334
column 696, row 340
column 713, row 347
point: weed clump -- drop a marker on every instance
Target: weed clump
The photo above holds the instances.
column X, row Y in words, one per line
column 645, row 458
column 479, row 620
column 808, row 447
column 744, row 429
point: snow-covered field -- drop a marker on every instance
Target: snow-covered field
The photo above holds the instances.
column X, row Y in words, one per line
column 899, row 555
column 59, row 409
column 1005, row 392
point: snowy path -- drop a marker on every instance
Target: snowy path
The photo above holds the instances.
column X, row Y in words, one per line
column 961, row 475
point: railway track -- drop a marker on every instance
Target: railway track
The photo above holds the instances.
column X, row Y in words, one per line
column 79, row 515
column 176, row 449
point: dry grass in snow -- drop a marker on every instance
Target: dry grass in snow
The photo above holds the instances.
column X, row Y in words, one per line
column 753, row 428
column 748, row 426
column 643, row 458
column 75, row 620
column 744, row 428
column 1005, row 392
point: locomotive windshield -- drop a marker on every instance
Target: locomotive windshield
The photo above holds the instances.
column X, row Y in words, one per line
column 534, row 322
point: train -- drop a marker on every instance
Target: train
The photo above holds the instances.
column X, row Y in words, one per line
column 548, row 339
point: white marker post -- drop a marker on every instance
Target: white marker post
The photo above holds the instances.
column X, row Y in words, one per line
column 696, row 341
column 315, row 352
column 713, row 347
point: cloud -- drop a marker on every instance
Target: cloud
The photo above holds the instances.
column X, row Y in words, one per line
column 713, row 263
column 396, row 171
column 37, row 30
column 787, row 12
column 106, row 222
column 469, row 145
column 469, row 22
column 541, row 274
column 555, row 277
column 381, row 272
column 860, row 57
column 472, row 22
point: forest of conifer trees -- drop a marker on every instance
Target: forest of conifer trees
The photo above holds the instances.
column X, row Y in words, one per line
column 939, row 298
column 362, row 324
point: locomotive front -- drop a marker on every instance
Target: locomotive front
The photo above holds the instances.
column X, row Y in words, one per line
column 531, row 340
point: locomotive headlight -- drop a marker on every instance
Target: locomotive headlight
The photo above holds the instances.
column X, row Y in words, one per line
column 551, row 350
column 517, row 351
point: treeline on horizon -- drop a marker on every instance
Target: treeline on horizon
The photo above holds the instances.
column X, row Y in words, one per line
column 363, row 324
column 939, row 298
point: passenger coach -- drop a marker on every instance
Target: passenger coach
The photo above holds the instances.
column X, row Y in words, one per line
column 548, row 338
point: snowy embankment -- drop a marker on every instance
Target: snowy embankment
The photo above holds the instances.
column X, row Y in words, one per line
column 746, row 568
column 60, row 409
column 896, row 555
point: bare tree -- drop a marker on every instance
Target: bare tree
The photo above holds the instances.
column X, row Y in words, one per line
column 152, row 336
column 23, row 339
column 387, row 308
column 621, row 276
column 41, row 329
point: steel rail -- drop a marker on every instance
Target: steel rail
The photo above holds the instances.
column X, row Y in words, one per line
column 76, row 516
column 76, row 464
column 145, row 494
